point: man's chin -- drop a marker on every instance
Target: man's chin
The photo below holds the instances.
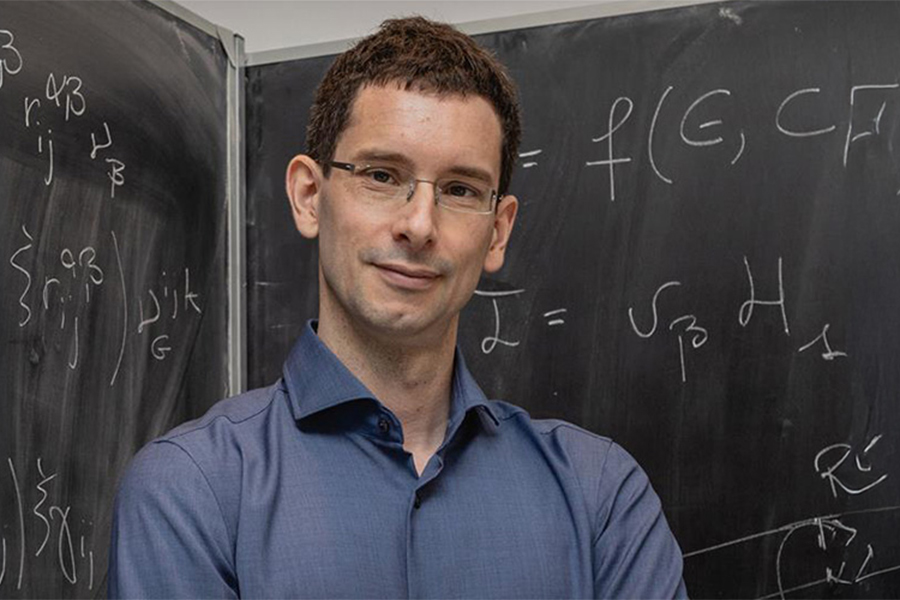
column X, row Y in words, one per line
column 404, row 325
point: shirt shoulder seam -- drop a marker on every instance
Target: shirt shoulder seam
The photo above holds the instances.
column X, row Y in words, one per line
column 581, row 430
column 596, row 524
column 208, row 485
column 200, row 427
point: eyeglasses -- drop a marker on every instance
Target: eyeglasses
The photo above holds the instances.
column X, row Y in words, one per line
column 393, row 186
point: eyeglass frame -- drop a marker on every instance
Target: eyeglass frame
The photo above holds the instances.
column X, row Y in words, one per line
column 495, row 197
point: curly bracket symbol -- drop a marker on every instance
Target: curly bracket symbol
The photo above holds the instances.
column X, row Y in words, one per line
column 27, row 275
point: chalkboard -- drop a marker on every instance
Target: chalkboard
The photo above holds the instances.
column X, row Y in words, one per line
column 706, row 267
column 112, row 303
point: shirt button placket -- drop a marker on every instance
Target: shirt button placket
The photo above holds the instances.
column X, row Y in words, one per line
column 418, row 501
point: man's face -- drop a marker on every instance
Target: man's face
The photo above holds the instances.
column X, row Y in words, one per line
column 407, row 272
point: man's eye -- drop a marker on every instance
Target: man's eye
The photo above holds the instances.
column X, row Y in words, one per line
column 380, row 176
column 459, row 190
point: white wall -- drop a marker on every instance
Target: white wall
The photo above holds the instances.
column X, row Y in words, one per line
column 276, row 24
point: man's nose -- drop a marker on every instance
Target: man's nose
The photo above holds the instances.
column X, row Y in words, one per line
column 416, row 220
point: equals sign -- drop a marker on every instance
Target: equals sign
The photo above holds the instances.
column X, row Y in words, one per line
column 528, row 155
column 552, row 313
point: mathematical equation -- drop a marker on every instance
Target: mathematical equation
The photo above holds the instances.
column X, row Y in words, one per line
column 703, row 125
column 68, row 284
column 688, row 324
column 685, row 326
column 63, row 97
column 847, row 559
column 554, row 318
column 61, row 532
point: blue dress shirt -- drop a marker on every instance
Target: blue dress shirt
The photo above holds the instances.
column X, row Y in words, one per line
column 304, row 490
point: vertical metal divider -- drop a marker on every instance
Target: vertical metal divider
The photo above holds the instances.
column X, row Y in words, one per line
column 237, row 246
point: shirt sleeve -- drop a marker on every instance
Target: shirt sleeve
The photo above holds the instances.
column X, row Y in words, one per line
column 634, row 552
column 169, row 538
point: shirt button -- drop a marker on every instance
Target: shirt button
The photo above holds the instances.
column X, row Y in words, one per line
column 383, row 425
column 417, row 502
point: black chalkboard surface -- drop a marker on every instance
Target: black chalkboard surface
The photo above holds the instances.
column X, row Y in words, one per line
column 706, row 267
column 112, row 301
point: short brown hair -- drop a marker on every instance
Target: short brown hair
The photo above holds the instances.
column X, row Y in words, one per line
column 418, row 54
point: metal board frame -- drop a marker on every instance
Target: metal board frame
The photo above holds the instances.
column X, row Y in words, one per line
column 567, row 15
column 236, row 254
column 186, row 15
column 237, row 220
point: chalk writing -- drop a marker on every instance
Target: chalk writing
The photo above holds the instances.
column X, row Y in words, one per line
column 73, row 353
column 746, row 311
column 839, row 453
column 829, row 354
column 852, row 136
column 36, row 510
column 835, row 528
column 156, row 309
column 157, row 349
column 124, row 308
column 154, row 315
column 116, row 166
column 15, row 480
column 613, row 127
column 529, row 154
column 490, row 342
column 30, row 104
column 115, row 175
column 700, row 334
column 793, row 132
column 18, row 267
column 554, row 313
column 51, row 518
column 650, row 138
column 699, row 338
column 73, row 289
column 48, row 179
column 95, row 147
column 71, row 89
column 695, row 131
column 65, row 544
column 653, row 309
column 10, row 59
column 837, row 531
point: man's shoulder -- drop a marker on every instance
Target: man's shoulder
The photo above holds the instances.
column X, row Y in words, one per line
column 228, row 413
column 569, row 436
column 209, row 441
column 200, row 460
column 596, row 461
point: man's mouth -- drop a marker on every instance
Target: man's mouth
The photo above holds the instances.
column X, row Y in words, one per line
column 407, row 276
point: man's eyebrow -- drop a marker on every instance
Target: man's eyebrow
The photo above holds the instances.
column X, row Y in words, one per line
column 472, row 173
column 375, row 155
column 382, row 156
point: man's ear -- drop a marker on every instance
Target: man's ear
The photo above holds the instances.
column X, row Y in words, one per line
column 303, row 182
column 504, row 220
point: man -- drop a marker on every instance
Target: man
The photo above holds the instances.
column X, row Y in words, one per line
column 376, row 467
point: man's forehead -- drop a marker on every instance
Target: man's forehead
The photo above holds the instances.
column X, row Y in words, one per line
column 394, row 95
column 385, row 119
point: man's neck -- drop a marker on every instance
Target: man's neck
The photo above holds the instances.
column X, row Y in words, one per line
column 412, row 380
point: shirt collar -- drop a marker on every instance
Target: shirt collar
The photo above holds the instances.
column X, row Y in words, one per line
column 317, row 380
